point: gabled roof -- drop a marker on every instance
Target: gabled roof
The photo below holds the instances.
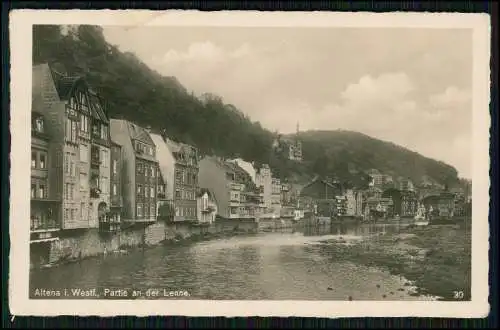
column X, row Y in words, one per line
column 173, row 146
column 96, row 104
column 137, row 132
column 64, row 83
column 162, row 153
column 211, row 194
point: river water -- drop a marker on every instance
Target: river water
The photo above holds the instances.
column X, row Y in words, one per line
column 286, row 264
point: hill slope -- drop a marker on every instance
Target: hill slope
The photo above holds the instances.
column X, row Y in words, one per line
column 135, row 92
column 347, row 153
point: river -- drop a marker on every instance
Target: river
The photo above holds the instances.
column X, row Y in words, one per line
column 286, row 264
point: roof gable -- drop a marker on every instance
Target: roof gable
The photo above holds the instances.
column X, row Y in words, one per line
column 138, row 133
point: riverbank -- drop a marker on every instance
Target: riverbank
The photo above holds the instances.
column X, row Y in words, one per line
column 435, row 258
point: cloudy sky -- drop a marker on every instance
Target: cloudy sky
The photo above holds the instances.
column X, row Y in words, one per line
column 408, row 86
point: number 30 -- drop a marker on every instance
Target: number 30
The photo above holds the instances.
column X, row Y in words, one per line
column 458, row 294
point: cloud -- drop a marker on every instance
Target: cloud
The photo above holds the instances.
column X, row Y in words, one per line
column 281, row 84
column 206, row 52
column 385, row 107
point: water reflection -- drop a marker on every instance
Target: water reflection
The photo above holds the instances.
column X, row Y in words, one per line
column 285, row 264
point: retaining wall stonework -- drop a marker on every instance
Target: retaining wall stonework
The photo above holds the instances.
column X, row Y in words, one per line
column 77, row 244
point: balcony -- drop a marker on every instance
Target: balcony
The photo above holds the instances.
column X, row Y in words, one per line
column 43, row 230
column 37, row 225
column 235, row 186
column 208, row 209
column 110, row 223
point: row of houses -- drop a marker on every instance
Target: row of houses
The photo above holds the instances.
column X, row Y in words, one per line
column 92, row 171
column 328, row 198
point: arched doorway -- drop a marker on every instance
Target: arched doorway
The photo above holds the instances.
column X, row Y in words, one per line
column 102, row 212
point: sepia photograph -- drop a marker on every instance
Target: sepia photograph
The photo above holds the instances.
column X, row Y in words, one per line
column 194, row 163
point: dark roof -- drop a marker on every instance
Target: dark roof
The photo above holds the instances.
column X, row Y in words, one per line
column 96, row 105
column 210, row 193
column 139, row 133
column 64, row 83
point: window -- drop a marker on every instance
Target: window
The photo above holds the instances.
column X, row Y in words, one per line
column 33, row 190
column 38, row 159
column 152, row 193
column 161, row 189
column 139, row 190
column 66, row 190
column 104, row 158
column 104, row 185
column 115, row 189
column 153, row 170
column 74, row 128
column 178, row 194
column 146, row 211
column 82, row 211
column 72, row 169
column 73, row 213
column 139, row 210
column 115, row 166
column 146, row 170
column 146, row 191
column 39, row 124
column 177, row 211
column 66, row 163
column 140, row 168
column 84, row 124
column 41, row 191
column 66, row 214
column 95, row 130
column 71, row 188
column 152, row 210
column 33, row 159
column 84, row 153
column 104, row 132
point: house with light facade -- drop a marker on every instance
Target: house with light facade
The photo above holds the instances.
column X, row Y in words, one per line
column 206, row 206
column 237, row 196
column 350, row 199
column 276, row 197
column 263, row 179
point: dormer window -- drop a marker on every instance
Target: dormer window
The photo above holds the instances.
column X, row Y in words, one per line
column 39, row 125
column 95, row 130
